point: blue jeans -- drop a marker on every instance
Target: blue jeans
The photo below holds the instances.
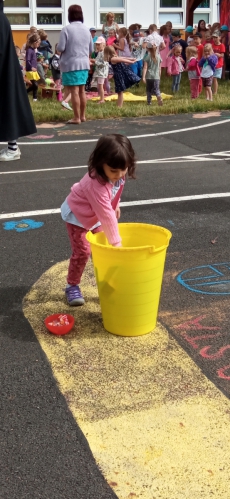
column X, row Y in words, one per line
column 176, row 82
column 137, row 67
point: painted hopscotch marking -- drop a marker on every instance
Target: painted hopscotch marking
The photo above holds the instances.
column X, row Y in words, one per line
column 124, row 204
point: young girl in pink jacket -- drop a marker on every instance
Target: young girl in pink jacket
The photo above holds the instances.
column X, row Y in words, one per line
column 175, row 66
column 93, row 204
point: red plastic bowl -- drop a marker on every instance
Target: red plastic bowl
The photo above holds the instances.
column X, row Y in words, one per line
column 59, row 330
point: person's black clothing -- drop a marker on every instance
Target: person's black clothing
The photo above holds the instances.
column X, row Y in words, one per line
column 15, row 111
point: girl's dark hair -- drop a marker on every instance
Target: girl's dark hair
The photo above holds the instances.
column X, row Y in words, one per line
column 116, row 151
column 199, row 23
column 32, row 39
column 75, row 14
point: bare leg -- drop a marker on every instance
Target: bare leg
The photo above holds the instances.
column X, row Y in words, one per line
column 120, row 99
column 67, row 94
column 76, row 104
column 82, row 102
column 208, row 93
column 100, row 89
column 215, row 85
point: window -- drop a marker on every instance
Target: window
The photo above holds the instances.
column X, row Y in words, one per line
column 111, row 4
column 171, row 4
column 198, row 17
column 117, row 7
column 18, row 19
column 16, row 3
column 171, row 10
column 50, row 3
column 49, row 18
column 204, row 5
column 176, row 19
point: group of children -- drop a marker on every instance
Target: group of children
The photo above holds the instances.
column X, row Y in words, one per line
column 38, row 58
column 129, row 55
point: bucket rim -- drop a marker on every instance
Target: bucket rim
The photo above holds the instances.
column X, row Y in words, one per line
column 150, row 247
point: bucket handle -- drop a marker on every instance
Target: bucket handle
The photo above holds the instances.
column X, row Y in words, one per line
column 151, row 249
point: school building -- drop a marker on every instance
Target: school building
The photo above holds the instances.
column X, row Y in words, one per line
column 52, row 15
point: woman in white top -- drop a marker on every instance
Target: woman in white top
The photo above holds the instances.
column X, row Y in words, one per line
column 110, row 24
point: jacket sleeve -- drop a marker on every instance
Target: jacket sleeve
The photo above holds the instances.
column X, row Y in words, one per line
column 99, row 198
column 213, row 60
column 28, row 60
column 192, row 65
column 62, row 41
column 201, row 62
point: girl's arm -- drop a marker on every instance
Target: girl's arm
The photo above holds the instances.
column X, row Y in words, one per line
column 103, row 29
column 126, row 60
column 144, row 71
column 120, row 45
column 202, row 61
column 169, row 71
column 28, row 61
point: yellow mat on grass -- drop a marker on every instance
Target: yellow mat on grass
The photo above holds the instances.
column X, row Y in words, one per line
column 129, row 97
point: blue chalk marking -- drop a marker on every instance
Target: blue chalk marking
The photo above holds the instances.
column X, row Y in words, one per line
column 170, row 222
column 22, row 225
column 195, row 278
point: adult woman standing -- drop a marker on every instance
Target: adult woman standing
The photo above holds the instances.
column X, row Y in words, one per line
column 110, row 24
column 76, row 45
column 202, row 29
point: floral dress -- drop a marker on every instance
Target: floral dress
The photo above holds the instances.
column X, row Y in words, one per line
column 165, row 52
column 124, row 77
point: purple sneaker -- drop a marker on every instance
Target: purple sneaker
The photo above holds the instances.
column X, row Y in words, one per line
column 74, row 296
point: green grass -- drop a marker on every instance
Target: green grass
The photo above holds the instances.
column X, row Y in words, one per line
column 50, row 110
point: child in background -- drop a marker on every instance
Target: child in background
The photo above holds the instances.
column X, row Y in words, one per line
column 197, row 38
column 112, row 37
column 218, row 49
column 45, row 47
column 23, row 49
column 177, row 40
column 207, row 38
column 93, row 204
column 101, row 68
column 93, row 32
column 137, row 52
column 31, row 65
column 40, row 69
column 189, row 35
column 152, row 74
column 154, row 38
column 123, row 75
column 224, row 38
column 208, row 64
column 164, row 32
column 193, row 71
column 55, row 67
column 176, row 67
column 123, row 45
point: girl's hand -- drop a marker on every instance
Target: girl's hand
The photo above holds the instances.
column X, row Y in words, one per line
column 34, row 69
column 117, row 212
column 144, row 80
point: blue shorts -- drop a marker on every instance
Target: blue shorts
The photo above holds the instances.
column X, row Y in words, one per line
column 75, row 78
column 217, row 73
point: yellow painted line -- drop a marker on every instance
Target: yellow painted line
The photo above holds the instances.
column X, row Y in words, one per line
column 157, row 427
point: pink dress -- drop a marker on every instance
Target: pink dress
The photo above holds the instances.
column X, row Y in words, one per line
column 164, row 52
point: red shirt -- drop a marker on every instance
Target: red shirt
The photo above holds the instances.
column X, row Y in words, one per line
column 219, row 49
column 200, row 49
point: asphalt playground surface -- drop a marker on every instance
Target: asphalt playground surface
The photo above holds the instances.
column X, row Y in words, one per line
column 45, row 450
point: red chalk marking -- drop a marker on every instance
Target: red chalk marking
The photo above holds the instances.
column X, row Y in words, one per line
column 221, row 372
column 195, row 324
column 217, row 355
column 193, row 341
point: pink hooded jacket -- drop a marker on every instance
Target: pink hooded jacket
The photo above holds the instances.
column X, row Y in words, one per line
column 91, row 202
column 173, row 65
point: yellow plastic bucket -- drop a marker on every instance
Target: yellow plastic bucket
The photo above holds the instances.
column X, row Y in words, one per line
column 129, row 278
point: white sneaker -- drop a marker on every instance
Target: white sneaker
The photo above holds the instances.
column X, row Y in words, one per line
column 66, row 105
column 7, row 155
column 35, row 100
